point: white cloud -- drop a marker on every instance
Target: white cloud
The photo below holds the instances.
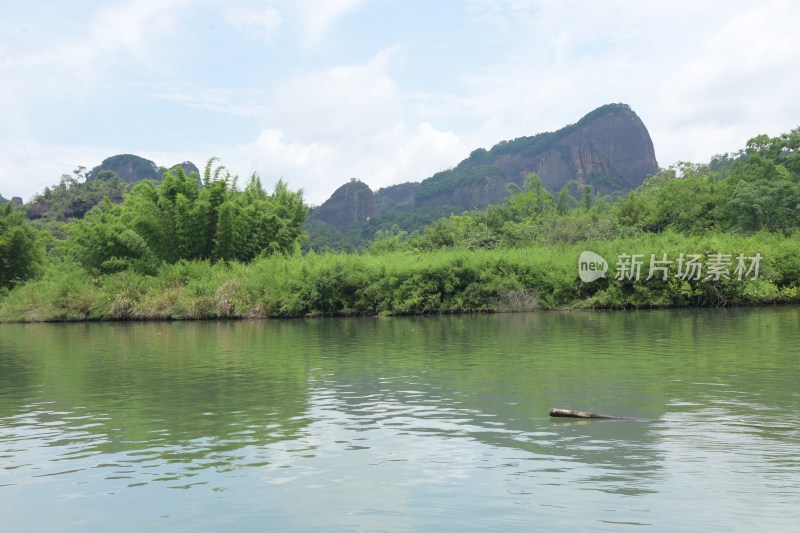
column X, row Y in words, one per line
column 341, row 102
column 241, row 102
column 262, row 22
column 704, row 76
column 323, row 128
column 737, row 83
column 319, row 16
column 380, row 158
column 59, row 72
column 271, row 153
column 403, row 154
column 27, row 167
column 133, row 28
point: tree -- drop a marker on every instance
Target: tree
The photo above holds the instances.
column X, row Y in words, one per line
column 564, row 200
column 186, row 218
column 687, row 203
column 20, row 252
column 761, row 194
column 102, row 243
column 586, row 196
column 531, row 200
column 75, row 195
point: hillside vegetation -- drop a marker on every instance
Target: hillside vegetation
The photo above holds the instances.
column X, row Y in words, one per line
column 609, row 149
column 182, row 250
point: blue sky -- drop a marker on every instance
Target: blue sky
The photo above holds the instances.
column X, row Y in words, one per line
column 318, row 92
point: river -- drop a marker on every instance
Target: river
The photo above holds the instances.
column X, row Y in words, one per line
column 404, row 424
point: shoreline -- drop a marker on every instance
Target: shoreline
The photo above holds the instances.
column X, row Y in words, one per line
column 447, row 281
column 237, row 318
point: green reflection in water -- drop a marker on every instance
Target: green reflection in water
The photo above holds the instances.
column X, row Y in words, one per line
column 419, row 422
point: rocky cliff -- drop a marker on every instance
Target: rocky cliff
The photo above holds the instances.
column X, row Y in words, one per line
column 132, row 168
column 351, row 203
column 609, row 149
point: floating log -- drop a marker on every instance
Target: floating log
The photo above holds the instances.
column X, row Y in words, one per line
column 569, row 413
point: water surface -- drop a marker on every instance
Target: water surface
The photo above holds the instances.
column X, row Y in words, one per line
column 396, row 424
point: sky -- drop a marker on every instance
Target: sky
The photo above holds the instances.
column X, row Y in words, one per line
column 316, row 92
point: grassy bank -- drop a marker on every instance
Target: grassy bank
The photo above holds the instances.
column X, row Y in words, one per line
column 443, row 281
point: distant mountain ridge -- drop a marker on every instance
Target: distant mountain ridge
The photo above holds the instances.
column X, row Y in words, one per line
column 132, row 168
column 609, row 149
column 72, row 198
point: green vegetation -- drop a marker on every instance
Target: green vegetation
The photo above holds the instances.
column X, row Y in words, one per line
column 323, row 236
column 177, row 220
column 182, row 250
column 75, row 195
column 442, row 281
column 20, row 253
column 465, row 173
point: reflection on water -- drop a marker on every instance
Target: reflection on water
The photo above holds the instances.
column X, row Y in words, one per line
column 404, row 423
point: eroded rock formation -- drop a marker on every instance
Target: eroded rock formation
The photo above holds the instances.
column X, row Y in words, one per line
column 609, row 149
column 352, row 202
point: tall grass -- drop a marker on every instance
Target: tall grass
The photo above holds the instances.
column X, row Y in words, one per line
column 391, row 283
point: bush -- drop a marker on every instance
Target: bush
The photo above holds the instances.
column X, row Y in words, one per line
column 393, row 283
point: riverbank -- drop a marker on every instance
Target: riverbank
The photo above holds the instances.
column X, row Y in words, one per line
column 731, row 270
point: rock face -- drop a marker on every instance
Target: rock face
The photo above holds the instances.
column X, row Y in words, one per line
column 351, row 203
column 610, row 149
column 396, row 197
column 132, row 168
column 188, row 168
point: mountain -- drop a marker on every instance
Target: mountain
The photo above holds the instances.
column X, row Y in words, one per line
column 609, row 149
column 351, row 203
column 112, row 178
column 16, row 199
column 132, row 168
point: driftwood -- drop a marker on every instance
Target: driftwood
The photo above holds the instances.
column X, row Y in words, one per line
column 569, row 413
